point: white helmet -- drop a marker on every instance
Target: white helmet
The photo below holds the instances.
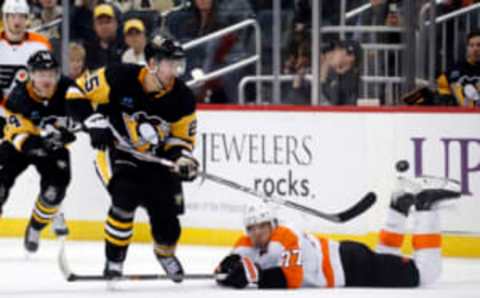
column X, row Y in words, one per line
column 15, row 6
column 259, row 213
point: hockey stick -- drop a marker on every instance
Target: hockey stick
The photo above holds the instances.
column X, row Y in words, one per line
column 358, row 208
column 70, row 276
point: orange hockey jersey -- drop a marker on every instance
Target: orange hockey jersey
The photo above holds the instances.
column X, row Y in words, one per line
column 306, row 260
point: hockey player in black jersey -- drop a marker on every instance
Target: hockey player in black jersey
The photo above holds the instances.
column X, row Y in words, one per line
column 36, row 133
column 151, row 110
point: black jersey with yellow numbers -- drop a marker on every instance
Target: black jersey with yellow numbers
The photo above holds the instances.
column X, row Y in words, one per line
column 27, row 113
column 156, row 121
column 454, row 81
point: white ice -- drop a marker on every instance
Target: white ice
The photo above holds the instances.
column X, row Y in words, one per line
column 39, row 276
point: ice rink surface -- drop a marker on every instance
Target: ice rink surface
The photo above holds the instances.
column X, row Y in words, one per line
column 38, row 276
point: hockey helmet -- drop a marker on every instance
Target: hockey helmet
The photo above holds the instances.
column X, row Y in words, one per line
column 164, row 48
column 15, row 6
column 259, row 213
column 42, row 60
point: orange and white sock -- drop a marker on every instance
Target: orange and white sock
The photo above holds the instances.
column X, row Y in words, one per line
column 393, row 233
column 427, row 242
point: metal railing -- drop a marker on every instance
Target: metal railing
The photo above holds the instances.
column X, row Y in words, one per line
column 450, row 46
column 239, row 64
column 389, row 82
column 355, row 12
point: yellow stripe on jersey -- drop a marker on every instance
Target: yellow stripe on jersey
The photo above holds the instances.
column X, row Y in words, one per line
column 184, row 129
column 131, row 126
column 117, row 241
column 120, row 225
column 74, row 93
column 95, row 86
column 45, row 209
column 40, row 220
column 443, row 85
column 103, row 167
column 17, row 124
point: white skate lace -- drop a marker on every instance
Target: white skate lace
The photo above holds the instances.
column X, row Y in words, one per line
column 171, row 265
column 33, row 235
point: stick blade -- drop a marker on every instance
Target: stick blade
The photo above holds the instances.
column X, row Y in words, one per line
column 363, row 205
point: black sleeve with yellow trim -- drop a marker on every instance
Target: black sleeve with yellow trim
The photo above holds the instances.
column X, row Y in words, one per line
column 18, row 127
column 444, row 90
column 183, row 129
column 78, row 106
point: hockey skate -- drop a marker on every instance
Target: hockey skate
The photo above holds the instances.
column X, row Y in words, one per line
column 172, row 266
column 32, row 239
column 429, row 199
column 59, row 227
column 113, row 270
column 402, row 202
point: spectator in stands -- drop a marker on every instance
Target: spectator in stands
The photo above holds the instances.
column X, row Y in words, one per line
column 108, row 46
column 50, row 11
column 339, row 74
column 81, row 25
column 77, row 60
column 135, row 38
column 204, row 17
column 460, row 85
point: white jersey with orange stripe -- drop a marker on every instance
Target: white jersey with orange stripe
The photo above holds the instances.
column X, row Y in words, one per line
column 306, row 260
column 14, row 57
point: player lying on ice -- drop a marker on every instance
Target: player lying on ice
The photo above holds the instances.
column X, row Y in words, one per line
column 271, row 255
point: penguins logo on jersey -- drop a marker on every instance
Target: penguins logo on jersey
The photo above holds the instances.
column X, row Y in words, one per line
column 146, row 132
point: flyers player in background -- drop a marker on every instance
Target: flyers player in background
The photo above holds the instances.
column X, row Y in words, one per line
column 271, row 255
column 16, row 46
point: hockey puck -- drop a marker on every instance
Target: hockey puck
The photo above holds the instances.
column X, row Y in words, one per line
column 402, row 166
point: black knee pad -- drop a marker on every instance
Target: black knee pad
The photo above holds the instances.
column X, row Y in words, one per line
column 166, row 231
column 52, row 195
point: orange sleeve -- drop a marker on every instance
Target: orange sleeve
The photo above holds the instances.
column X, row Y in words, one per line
column 37, row 37
column 243, row 241
column 292, row 266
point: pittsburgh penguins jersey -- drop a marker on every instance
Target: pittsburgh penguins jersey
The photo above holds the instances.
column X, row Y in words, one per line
column 305, row 260
column 154, row 122
column 463, row 82
column 28, row 114
column 14, row 57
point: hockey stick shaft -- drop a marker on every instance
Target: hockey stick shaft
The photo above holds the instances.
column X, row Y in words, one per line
column 77, row 277
column 361, row 206
column 358, row 208
column 70, row 276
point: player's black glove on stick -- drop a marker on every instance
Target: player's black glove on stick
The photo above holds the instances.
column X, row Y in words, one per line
column 57, row 138
column 237, row 272
column 186, row 166
column 98, row 127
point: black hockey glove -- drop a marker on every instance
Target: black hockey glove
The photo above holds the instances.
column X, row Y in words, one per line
column 186, row 166
column 34, row 146
column 2, row 126
column 57, row 138
column 98, row 127
column 237, row 272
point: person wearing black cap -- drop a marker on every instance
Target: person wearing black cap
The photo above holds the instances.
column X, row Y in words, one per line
column 340, row 73
column 107, row 46
column 151, row 111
